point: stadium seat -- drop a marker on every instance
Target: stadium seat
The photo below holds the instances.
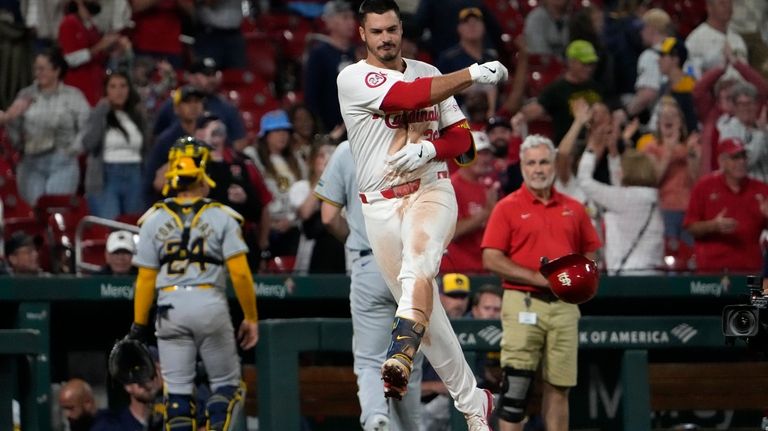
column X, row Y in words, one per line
column 261, row 55
column 60, row 214
column 232, row 79
column 509, row 17
column 542, row 70
column 281, row 264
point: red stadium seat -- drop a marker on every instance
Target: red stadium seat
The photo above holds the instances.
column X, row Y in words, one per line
column 236, row 78
column 281, row 264
column 542, row 70
column 261, row 55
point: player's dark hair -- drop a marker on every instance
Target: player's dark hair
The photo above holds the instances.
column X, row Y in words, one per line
column 378, row 7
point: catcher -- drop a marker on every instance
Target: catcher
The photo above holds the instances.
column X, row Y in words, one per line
column 185, row 243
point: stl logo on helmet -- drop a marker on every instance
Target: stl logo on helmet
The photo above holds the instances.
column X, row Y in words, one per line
column 564, row 279
column 374, row 79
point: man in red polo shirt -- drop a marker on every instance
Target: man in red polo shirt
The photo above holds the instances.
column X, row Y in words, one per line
column 533, row 222
column 477, row 192
column 727, row 213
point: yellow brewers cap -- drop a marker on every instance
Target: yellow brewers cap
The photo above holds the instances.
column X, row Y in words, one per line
column 455, row 284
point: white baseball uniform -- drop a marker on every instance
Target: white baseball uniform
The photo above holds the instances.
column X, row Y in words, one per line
column 410, row 217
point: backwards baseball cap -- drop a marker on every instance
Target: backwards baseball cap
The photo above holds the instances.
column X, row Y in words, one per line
column 675, row 47
column 335, row 7
column 582, row 51
column 731, row 146
column 185, row 93
column 481, row 141
column 454, row 284
column 206, row 66
column 469, row 12
column 121, row 240
column 18, row 240
column 274, row 120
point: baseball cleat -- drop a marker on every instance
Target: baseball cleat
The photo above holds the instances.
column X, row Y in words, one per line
column 479, row 421
column 395, row 373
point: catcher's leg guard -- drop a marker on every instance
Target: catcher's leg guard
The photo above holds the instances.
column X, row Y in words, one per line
column 224, row 406
column 406, row 338
column 180, row 413
column 516, row 388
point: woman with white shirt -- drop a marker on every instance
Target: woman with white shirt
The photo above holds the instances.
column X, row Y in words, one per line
column 634, row 230
column 115, row 137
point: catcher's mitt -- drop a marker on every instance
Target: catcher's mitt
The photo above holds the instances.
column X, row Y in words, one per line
column 131, row 362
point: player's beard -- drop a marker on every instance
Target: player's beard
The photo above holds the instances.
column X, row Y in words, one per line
column 384, row 56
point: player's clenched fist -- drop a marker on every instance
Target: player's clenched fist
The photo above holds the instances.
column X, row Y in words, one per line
column 412, row 156
column 491, row 72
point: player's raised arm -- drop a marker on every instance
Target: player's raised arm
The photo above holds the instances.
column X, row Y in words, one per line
column 423, row 92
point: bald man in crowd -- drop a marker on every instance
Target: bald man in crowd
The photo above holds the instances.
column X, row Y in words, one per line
column 78, row 405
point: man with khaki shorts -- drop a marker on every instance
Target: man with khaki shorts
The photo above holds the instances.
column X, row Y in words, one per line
column 533, row 222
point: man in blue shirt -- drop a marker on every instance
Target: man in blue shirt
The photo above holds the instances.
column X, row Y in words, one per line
column 204, row 75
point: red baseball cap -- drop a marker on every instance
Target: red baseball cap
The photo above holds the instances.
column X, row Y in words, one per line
column 731, row 146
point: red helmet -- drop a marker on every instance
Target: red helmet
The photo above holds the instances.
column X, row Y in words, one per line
column 573, row 278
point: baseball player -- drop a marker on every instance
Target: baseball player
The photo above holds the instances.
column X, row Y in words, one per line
column 402, row 123
column 185, row 243
column 371, row 302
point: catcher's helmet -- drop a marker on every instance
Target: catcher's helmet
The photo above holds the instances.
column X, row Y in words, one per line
column 573, row 278
column 131, row 362
column 187, row 163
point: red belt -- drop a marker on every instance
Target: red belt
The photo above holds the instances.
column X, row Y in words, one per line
column 401, row 190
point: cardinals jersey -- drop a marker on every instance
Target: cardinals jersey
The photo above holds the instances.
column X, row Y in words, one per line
column 375, row 134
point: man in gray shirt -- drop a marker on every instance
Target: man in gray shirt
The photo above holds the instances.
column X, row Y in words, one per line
column 372, row 304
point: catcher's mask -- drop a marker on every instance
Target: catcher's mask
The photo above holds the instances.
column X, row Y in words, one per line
column 131, row 362
column 573, row 277
column 187, row 163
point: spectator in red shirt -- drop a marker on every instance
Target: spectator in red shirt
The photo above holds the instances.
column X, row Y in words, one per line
column 157, row 27
column 533, row 222
column 85, row 49
column 476, row 195
column 727, row 213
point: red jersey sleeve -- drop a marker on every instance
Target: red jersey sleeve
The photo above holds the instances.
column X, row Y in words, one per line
column 407, row 96
column 454, row 140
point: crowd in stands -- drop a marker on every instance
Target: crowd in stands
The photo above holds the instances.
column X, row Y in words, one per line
column 658, row 108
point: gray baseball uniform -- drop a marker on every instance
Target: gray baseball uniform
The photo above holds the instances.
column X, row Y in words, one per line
column 371, row 302
column 193, row 314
